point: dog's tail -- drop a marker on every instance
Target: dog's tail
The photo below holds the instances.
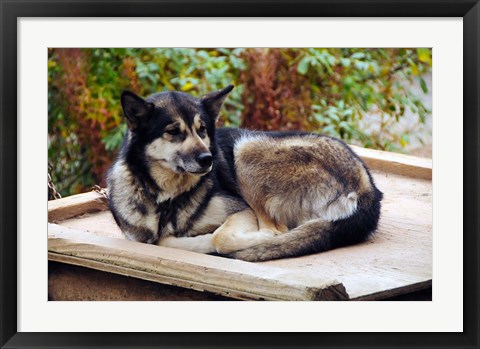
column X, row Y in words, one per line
column 318, row 235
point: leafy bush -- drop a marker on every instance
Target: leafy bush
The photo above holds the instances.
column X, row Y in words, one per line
column 330, row 90
column 321, row 90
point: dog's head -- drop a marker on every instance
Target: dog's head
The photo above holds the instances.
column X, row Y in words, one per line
column 175, row 128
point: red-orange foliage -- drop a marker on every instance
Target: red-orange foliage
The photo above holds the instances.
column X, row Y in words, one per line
column 72, row 85
column 128, row 71
column 276, row 97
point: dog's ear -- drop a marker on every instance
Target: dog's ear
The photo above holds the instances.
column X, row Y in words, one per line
column 136, row 110
column 214, row 101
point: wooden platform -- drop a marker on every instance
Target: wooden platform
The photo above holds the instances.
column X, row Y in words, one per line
column 396, row 261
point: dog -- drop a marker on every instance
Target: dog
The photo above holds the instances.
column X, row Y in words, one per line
column 180, row 182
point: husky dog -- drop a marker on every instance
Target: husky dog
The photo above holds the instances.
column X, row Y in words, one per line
column 180, row 182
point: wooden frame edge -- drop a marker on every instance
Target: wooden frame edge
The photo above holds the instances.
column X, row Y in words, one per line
column 9, row 335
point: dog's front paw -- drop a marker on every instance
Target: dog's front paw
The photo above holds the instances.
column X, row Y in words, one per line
column 225, row 242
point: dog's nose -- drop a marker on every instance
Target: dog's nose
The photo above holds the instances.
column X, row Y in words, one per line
column 205, row 160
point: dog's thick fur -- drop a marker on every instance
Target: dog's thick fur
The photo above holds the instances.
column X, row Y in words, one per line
column 180, row 182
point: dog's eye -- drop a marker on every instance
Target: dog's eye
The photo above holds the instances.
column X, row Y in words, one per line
column 202, row 129
column 173, row 131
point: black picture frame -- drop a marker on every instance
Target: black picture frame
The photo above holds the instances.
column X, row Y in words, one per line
column 11, row 10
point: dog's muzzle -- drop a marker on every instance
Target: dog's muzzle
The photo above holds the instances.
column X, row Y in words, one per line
column 199, row 164
column 205, row 160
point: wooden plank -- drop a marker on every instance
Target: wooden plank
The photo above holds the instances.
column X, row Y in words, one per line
column 237, row 279
column 397, row 257
column 401, row 164
column 100, row 223
column 68, row 282
column 396, row 292
column 76, row 205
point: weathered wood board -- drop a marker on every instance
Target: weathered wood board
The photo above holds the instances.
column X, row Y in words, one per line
column 400, row 164
column 218, row 275
column 75, row 205
column 397, row 260
column 67, row 282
